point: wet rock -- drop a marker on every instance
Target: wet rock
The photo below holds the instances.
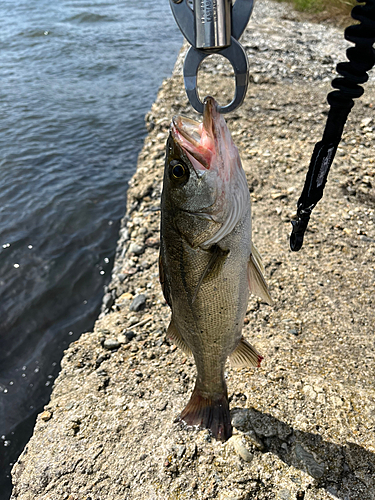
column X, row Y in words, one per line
column 108, row 300
column 138, row 303
column 46, row 415
column 240, row 447
column 136, row 248
column 111, row 344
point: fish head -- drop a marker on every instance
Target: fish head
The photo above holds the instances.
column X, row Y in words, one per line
column 204, row 183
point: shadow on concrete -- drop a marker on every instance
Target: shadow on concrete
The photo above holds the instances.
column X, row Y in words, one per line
column 345, row 471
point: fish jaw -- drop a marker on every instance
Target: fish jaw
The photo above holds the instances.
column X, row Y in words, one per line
column 209, row 144
column 188, row 135
column 213, row 155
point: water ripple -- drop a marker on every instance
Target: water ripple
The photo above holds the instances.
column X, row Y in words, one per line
column 89, row 17
column 77, row 79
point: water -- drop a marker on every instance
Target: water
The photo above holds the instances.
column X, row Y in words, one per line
column 76, row 78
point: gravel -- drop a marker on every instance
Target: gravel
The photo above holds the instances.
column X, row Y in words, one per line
column 138, row 303
column 304, row 421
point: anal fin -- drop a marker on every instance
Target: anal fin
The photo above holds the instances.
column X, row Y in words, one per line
column 245, row 355
column 176, row 338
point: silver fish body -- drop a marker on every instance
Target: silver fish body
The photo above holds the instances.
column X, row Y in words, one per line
column 207, row 259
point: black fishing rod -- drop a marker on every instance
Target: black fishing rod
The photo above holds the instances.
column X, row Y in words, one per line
column 348, row 87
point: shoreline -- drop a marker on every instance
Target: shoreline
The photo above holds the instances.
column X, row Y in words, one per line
column 304, row 421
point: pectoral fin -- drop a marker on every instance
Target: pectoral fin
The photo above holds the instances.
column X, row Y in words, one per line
column 176, row 338
column 217, row 257
column 257, row 283
column 245, row 355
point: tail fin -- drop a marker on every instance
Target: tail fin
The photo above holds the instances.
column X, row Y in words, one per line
column 208, row 413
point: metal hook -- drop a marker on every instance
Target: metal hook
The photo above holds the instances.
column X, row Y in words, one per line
column 214, row 27
column 236, row 56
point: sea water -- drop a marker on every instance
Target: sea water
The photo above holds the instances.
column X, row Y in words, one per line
column 76, row 79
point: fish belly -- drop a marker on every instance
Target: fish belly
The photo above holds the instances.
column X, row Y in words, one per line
column 210, row 319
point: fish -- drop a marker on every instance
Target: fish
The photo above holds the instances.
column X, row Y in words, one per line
column 208, row 264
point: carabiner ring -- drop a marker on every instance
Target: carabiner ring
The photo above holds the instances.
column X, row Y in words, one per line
column 236, row 56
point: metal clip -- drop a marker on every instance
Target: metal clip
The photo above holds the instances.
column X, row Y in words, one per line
column 213, row 27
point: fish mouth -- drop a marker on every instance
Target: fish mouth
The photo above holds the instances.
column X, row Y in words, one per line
column 197, row 139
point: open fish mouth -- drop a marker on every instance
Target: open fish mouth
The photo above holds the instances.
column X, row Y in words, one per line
column 197, row 139
column 189, row 129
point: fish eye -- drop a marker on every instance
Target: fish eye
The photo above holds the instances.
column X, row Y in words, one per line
column 178, row 170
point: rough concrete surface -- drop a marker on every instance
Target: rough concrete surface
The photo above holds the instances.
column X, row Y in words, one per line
column 304, row 422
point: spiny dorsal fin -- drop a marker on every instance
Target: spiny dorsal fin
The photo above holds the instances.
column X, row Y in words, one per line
column 245, row 355
column 176, row 338
column 257, row 283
